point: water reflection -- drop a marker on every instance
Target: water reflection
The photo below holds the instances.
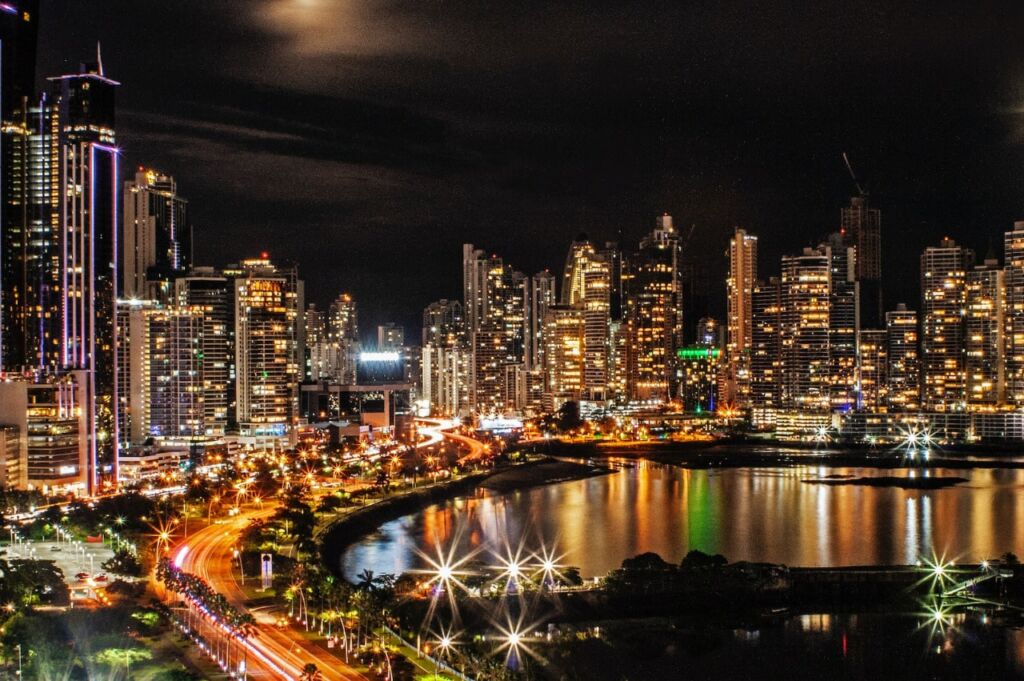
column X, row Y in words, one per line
column 757, row 514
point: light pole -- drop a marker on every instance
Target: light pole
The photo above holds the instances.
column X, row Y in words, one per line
column 19, row 660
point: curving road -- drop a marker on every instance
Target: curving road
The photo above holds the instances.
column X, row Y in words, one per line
column 274, row 653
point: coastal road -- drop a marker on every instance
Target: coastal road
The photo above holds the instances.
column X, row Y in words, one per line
column 438, row 428
column 274, row 653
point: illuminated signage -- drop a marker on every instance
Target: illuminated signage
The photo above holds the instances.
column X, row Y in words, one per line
column 265, row 286
column 379, row 357
column 501, row 425
column 698, row 353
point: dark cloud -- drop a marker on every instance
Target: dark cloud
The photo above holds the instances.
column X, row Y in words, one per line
column 368, row 139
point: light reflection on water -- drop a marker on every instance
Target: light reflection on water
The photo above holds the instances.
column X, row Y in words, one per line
column 757, row 514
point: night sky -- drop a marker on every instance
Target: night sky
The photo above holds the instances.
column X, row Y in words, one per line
column 368, row 140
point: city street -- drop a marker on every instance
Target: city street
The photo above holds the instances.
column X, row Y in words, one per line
column 274, row 653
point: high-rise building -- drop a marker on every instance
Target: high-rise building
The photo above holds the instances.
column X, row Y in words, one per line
column 766, row 348
column 903, row 369
column 268, row 300
column 343, row 339
column 540, row 295
column 475, row 268
column 1013, row 243
column 86, row 162
column 564, row 343
column 806, row 301
column 652, row 310
column 446, row 371
column 161, row 382
column 872, row 363
column 844, row 324
column 943, row 310
column 212, row 294
column 698, row 380
column 739, row 286
column 443, row 324
column 861, row 227
column 390, row 337
column 28, row 252
column 48, row 411
column 742, row 276
column 984, row 330
column 493, row 355
column 157, row 243
column 587, row 284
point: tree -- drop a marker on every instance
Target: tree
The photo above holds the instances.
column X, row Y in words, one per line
column 645, row 561
column 124, row 563
column 698, row 560
column 115, row 657
column 311, row 673
column 569, row 416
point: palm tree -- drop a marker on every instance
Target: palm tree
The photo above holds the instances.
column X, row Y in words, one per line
column 311, row 673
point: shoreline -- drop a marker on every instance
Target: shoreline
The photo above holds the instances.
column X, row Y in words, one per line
column 339, row 533
column 751, row 453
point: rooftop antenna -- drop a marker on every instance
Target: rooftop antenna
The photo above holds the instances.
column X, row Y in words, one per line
column 853, row 176
column 99, row 58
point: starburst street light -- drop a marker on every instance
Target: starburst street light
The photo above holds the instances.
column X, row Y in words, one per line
column 512, row 568
column 550, row 568
column 513, row 637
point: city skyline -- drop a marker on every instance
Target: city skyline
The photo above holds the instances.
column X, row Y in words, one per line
column 952, row 171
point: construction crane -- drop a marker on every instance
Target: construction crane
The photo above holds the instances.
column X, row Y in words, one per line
column 853, row 176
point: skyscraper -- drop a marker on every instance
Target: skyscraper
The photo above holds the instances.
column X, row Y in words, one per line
column 390, row 337
column 984, row 324
column 25, row 256
column 564, row 342
column 475, row 266
column 739, row 314
column 1013, row 243
column 742, row 276
column 766, row 349
column 652, row 312
column 844, row 325
column 861, row 227
column 343, row 338
column 86, row 162
column 212, row 295
column 872, row 363
column 806, row 300
column 443, row 324
column 587, row 284
column 943, row 310
column 267, row 304
column 903, row 369
column 157, row 244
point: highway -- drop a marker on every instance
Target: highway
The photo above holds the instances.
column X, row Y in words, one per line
column 274, row 653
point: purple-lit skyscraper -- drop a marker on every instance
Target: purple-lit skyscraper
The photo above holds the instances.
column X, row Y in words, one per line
column 85, row 158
